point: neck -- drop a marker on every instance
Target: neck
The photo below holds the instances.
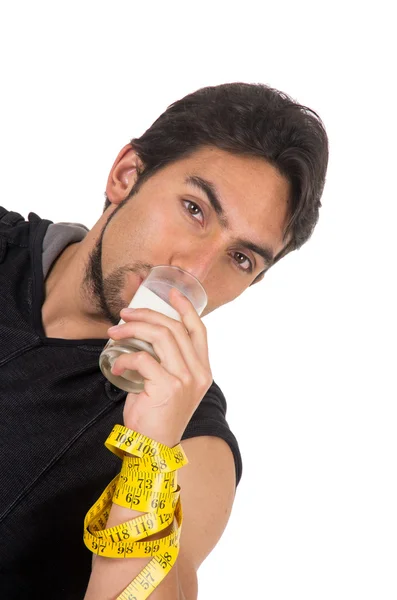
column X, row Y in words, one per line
column 68, row 311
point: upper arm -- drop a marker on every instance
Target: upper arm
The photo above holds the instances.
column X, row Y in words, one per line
column 208, row 486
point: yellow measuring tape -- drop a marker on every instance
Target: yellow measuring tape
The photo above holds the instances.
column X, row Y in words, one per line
column 147, row 483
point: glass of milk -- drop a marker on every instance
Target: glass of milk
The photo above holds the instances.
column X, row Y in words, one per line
column 152, row 293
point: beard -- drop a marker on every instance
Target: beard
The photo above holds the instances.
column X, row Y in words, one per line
column 106, row 294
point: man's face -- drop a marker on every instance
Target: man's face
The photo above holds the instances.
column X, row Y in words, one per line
column 170, row 221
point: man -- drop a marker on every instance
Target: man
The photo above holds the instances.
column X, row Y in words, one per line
column 223, row 184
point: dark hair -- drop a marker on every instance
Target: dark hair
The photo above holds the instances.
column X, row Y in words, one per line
column 251, row 120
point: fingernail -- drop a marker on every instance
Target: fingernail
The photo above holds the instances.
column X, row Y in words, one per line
column 128, row 310
column 113, row 329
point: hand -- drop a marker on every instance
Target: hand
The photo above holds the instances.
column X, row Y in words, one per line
column 174, row 387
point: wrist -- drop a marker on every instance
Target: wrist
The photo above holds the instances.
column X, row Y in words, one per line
column 162, row 437
column 154, row 430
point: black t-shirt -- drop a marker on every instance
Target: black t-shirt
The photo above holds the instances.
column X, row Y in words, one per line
column 57, row 409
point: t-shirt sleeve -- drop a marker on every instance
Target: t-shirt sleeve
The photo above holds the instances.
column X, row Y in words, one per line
column 210, row 419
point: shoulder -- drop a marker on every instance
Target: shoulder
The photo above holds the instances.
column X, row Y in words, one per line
column 15, row 229
column 209, row 419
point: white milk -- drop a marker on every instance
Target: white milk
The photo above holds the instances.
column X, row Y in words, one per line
column 145, row 298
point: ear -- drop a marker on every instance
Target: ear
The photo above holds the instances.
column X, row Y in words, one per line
column 123, row 174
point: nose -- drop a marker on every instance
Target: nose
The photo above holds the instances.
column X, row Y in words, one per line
column 199, row 259
column 199, row 270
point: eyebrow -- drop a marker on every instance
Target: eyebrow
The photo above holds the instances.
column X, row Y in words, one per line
column 210, row 191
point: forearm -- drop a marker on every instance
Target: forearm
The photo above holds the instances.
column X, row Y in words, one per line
column 139, row 507
column 110, row 576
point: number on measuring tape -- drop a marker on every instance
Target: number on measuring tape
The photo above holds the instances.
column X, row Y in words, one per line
column 147, row 483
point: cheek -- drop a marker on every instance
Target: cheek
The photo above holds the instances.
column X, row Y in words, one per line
column 159, row 231
column 148, row 240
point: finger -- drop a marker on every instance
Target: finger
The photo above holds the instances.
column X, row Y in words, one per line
column 196, row 360
column 152, row 372
column 164, row 344
column 143, row 362
column 194, row 325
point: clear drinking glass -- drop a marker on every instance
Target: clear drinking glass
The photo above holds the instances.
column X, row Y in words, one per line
column 153, row 293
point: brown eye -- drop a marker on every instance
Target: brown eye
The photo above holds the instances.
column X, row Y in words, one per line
column 249, row 270
column 190, row 204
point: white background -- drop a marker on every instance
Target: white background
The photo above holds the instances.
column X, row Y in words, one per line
column 306, row 359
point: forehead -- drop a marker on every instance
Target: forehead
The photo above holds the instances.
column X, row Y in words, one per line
column 254, row 194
